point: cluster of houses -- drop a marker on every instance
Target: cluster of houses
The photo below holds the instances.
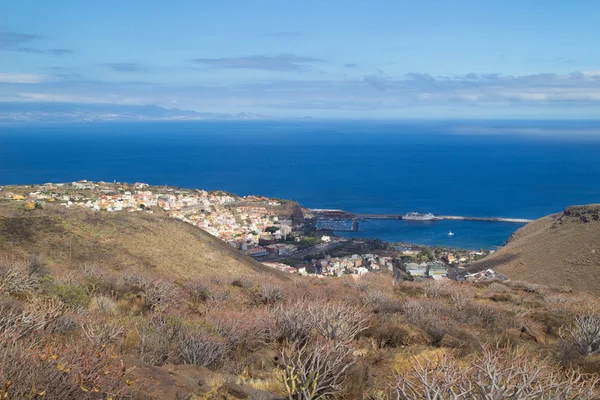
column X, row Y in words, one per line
column 356, row 264
column 218, row 213
column 434, row 269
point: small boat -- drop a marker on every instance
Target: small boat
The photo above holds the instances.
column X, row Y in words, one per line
column 450, row 233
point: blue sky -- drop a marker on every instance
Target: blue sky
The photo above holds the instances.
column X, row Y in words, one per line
column 339, row 59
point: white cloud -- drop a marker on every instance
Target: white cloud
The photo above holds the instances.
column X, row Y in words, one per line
column 591, row 74
column 9, row 77
column 75, row 98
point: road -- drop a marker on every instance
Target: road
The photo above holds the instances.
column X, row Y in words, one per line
column 300, row 254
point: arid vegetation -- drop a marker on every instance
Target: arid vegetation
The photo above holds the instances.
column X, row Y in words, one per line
column 560, row 250
column 96, row 333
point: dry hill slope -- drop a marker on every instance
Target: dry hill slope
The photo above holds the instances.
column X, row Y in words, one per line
column 136, row 242
column 560, row 249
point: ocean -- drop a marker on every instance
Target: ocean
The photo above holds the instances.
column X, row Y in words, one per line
column 519, row 169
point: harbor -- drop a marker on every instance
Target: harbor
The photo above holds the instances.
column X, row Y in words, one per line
column 341, row 220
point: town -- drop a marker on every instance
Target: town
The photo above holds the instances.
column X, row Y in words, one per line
column 276, row 232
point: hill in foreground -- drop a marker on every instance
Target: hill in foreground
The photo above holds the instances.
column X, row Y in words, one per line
column 95, row 324
column 145, row 243
column 561, row 250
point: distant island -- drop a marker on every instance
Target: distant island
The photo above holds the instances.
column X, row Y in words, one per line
column 71, row 112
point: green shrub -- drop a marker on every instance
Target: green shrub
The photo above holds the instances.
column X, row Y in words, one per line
column 71, row 295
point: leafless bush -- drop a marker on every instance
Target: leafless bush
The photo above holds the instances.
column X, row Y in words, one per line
column 338, row 321
column 35, row 317
column 500, row 375
column 15, row 281
column 293, row 321
column 528, row 287
column 241, row 283
column 97, row 281
column 488, row 316
column 315, row 369
column 29, row 371
column 244, row 330
column 433, row 316
column 202, row 349
column 158, row 339
column 433, row 380
column 38, row 268
column 159, row 294
column 374, row 298
column 64, row 324
column 217, row 298
column 101, row 333
column 103, row 305
column 460, row 297
column 198, row 291
column 585, row 333
column 266, row 294
column 438, row 289
column 495, row 375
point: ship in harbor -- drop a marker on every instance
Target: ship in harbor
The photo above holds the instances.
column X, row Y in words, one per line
column 415, row 216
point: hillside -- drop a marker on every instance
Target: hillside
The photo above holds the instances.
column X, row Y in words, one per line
column 135, row 242
column 133, row 305
column 560, row 250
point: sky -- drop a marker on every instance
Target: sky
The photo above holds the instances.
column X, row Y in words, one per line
column 328, row 59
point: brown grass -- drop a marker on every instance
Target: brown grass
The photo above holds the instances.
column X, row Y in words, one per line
column 561, row 250
column 138, row 242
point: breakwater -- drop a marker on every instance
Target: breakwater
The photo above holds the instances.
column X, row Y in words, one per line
column 342, row 215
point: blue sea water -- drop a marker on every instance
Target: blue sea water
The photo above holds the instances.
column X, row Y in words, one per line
column 448, row 168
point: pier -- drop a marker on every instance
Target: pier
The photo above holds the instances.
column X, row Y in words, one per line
column 329, row 219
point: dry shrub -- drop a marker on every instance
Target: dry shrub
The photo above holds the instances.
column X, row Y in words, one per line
column 64, row 324
column 316, row 369
column 392, row 333
column 292, row 321
column 528, row 287
column 38, row 268
column 244, row 330
column 461, row 296
column 552, row 321
column 198, row 291
column 488, row 316
column 494, row 375
column 585, row 333
column 338, row 321
column 335, row 321
column 201, row 348
column 433, row 316
column 218, row 298
column 158, row 339
column 438, row 289
column 97, row 281
column 165, row 339
column 241, row 283
column 62, row 373
column 34, row 317
column 103, row 305
column 266, row 294
column 16, row 281
column 101, row 332
column 379, row 301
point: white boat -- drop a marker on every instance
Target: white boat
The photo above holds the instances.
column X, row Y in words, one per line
column 415, row 216
column 450, row 233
